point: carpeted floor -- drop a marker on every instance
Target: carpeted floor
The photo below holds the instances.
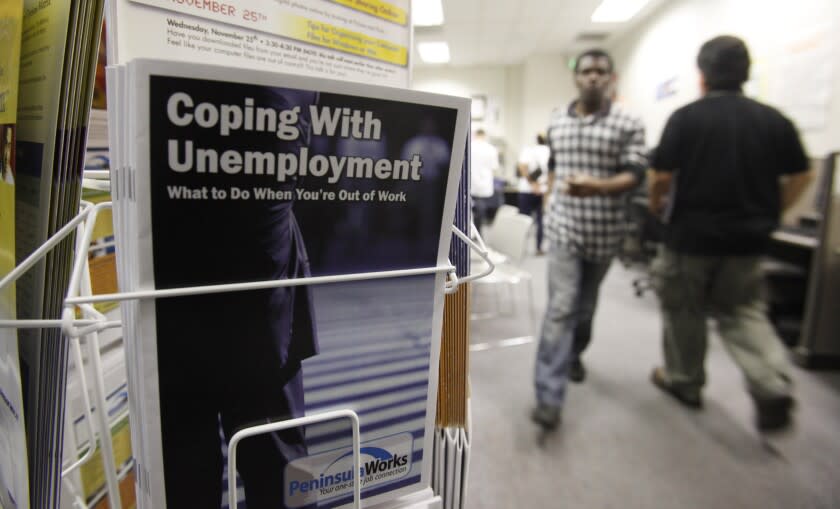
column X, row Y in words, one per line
column 622, row 443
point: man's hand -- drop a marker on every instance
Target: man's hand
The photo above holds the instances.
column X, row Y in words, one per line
column 659, row 185
column 657, row 207
column 584, row 185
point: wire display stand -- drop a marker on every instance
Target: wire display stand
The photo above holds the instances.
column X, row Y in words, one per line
column 80, row 296
column 293, row 423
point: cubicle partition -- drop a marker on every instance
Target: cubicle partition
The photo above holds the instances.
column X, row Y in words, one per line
column 819, row 342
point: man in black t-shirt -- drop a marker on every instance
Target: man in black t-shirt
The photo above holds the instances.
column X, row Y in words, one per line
column 725, row 168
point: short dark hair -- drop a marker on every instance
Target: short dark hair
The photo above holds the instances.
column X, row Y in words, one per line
column 724, row 62
column 594, row 53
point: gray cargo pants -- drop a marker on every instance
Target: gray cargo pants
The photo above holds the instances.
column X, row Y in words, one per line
column 730, row 290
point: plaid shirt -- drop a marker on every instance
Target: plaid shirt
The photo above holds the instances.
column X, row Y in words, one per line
column 602, row 145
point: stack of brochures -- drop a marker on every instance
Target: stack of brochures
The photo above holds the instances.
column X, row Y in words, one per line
column 226, row 176
column 14, row 478
column 451, row 447
column 57, row 57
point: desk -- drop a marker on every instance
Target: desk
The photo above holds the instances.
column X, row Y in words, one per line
column 787, row 270
column 793, row 247
column 808, row 242
column 819, row 343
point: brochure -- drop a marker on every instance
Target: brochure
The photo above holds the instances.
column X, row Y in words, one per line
column 58, row 50
column 238, row 176
column 14, row 483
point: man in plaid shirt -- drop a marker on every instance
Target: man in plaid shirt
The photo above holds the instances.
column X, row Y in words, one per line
column 597, row 155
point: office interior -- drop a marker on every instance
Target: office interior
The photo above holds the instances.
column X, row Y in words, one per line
column 621, row 442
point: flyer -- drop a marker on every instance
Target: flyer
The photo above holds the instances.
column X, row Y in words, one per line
column 343, row 39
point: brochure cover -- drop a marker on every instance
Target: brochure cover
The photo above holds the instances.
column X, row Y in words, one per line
column 45, row 31
column 14, row 484
column 244, row 176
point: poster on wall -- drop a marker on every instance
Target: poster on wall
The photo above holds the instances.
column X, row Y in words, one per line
column 807, row 102
column 246, row 176
column 341, row 39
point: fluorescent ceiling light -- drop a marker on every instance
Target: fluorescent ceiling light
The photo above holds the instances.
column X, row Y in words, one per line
column 617, row 11
column 426, row 13
column 433, row 52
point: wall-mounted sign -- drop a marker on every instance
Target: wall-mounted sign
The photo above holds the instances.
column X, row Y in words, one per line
column 667, row 88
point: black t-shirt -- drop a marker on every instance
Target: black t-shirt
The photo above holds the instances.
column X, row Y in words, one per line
column 727, row 152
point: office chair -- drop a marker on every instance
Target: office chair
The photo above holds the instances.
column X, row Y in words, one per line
column 791, row 254
column 507, row 210
column 641, row 242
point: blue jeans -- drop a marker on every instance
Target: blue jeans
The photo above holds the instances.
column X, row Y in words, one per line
column 573, row 284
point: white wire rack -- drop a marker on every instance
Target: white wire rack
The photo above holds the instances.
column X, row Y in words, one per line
column 80, row 296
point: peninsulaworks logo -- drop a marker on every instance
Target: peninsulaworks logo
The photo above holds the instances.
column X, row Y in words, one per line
column 329, row 475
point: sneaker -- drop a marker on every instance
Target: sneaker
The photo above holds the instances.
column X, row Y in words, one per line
column 689, row 398
column 577, row 371
column 773, row 414
column 546, row 416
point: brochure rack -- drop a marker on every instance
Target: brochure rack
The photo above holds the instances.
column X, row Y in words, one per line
column 79, row 296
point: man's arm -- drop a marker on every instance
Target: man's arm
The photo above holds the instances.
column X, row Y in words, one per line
column 552, row 168
column 524, row 173
column 659, row 185
column 632, row 162
column 496, row 165
column 793, row 185
column 585, row 185
column 550, row 187
column 665, row 160
column 794, row 159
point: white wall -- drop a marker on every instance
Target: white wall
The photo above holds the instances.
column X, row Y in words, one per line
column 547, row 84
column 520, row 97
column 490, row 81
column 665, row 46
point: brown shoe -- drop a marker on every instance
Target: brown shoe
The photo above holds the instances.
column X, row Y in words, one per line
column 688, row 398
column 773, row 414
